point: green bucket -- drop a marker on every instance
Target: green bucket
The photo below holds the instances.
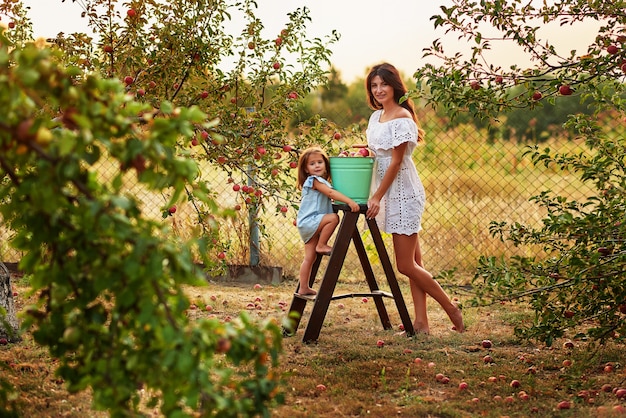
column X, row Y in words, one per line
column 352, row 176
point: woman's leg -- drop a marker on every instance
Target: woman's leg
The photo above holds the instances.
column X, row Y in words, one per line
column 307, row 264
column 325, row 230
column 418, row 294
column 405, row 247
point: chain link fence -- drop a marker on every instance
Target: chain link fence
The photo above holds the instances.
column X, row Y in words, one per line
column 471, row 178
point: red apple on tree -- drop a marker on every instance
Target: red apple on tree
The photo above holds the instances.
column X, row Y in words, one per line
column 537, row 95
column 108, row 49
column 276, row 65
column 475, row 85
column 612, row 49
column 565, row 90
column 128, row 80
column 131, row 13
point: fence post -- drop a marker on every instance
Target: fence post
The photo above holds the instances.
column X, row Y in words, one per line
column 253, row 212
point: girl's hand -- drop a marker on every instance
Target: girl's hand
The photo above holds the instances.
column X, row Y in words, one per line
column 354, row 207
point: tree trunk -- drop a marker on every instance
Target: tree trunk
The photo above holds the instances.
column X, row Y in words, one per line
column 9, row 326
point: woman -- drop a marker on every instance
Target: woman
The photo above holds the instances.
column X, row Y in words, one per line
column 398, row 199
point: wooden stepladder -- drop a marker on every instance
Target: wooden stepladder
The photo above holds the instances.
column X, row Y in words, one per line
column 347, row 233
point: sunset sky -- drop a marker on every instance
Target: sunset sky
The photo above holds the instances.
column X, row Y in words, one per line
column 371, row 31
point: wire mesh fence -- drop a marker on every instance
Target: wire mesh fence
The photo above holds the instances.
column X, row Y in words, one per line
column 470, row 179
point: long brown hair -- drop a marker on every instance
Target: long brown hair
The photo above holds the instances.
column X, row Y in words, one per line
column 304, row 159
column 391, row 76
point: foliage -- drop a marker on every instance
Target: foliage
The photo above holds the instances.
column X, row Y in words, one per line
column 579, row 285
column 108, row 281
column 218, row 56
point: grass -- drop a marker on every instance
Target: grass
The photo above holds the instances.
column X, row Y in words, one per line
column 362, row 379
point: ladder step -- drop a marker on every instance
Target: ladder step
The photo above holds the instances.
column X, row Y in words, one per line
column 360, row 295
column 310, row 298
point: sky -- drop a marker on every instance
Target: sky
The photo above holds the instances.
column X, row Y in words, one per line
column 372, row 31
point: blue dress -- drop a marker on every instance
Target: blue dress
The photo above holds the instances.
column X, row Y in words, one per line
column 313, row 206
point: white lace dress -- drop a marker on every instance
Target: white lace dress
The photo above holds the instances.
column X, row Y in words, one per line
column 402, row 206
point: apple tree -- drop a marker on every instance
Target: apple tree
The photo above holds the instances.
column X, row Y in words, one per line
column 218, row 56
column 108, row 280
column 577, row 285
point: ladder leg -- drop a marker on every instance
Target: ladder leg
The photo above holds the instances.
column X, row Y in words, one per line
column 371, row 279
column 296, row 309
column 327, row 287
column 391, row 277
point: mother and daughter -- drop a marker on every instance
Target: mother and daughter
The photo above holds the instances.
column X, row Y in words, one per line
column 397, row 201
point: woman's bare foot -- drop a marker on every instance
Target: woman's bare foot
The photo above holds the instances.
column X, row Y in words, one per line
column 307, row 292
column 323, row 249
column 457, row 319
column 420, row 328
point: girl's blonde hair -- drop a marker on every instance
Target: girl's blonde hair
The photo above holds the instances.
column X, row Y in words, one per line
column 303, row 160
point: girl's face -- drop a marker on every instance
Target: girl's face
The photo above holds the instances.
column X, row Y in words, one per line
column 381, row 91
column 315, row 165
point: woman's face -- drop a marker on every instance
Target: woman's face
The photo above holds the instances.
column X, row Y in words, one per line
column 381, row 91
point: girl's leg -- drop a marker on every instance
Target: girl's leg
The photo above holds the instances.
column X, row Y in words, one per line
column 305, row 268
column 405, row 247
column 327, row 227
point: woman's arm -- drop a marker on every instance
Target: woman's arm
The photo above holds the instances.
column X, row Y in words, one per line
column 397, row 154
column 335, row 195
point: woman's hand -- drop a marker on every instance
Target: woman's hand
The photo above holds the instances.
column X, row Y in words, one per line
column 373, row 207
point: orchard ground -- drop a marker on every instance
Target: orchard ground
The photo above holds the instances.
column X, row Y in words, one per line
column 359, row 369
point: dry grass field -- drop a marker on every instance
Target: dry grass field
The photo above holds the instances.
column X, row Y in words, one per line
column 357, row 368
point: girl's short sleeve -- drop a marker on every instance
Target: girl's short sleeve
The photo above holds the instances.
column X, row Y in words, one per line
column 308, row 183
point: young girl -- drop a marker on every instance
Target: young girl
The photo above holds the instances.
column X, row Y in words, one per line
column 316, row 220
